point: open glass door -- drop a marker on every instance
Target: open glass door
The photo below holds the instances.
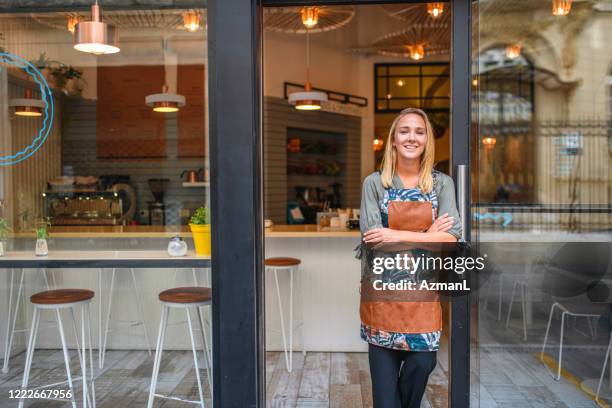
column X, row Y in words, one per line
column 355, row 67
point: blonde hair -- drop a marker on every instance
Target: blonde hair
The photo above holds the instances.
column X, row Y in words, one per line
column 389, row 161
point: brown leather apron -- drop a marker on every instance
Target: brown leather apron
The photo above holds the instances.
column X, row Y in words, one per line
column 402, row 316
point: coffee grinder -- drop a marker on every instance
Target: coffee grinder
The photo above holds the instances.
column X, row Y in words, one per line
column 157, row 209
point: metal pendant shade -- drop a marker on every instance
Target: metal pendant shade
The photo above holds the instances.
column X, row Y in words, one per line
column 95, row 36
column 165, row 101
column 28, row 105
column 307, row 99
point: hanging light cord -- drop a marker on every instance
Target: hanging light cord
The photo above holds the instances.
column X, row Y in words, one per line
column 307, row 87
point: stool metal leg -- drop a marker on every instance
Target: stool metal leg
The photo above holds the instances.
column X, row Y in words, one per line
column 141, row 310
column 561, row 346
column 511, row 304
column 100, row 307
column 30, row 352
column 158, row 352
column 10, row 334
column 195, row 357
column 603, row 369
column 79, row 343
column 91, row 363
column 83, row 358
column 301, row 303
column 206, row 350
column 7, row 347
column 108, row 316
column 290, row 319
column 524, row 309
column 66, row 355
column 282, row 319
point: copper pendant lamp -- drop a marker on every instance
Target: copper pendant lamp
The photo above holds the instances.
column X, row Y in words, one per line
column 28, row 105
column 95, row 36
column 307, row 99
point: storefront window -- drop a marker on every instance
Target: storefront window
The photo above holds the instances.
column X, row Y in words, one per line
column 103, row 168
column 541, row 202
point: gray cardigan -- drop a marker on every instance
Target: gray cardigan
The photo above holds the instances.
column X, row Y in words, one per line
column 373, row 192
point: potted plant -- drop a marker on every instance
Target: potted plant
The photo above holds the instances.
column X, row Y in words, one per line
column 4, row 232
column 42, row 234
column 200, row 230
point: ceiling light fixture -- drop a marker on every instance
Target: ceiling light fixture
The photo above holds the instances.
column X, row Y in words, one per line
column 310, row 16
column 561, row 7
column 95, row 36
column 307, row 99
column 165, row 102
column 435, row 9
column 71, row 23
column 489, row 141
column 400, row 82
column 513, row 51
column 417, row 51
column 191, row 21
column 28, row 105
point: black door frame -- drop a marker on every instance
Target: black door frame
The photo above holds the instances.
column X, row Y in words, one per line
column 235, row 95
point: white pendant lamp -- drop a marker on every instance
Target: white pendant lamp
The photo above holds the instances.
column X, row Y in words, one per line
column 307, row 99
column 165, row 102
column 28, row 105
column 96, row 37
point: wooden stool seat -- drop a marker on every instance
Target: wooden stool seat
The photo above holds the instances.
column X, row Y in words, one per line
column 61, row 296
column 191, row 294
column 282, row 261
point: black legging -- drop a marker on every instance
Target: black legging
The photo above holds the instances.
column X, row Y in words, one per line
column 397, row 385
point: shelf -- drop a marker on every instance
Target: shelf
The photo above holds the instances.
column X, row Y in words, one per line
column 196, row 184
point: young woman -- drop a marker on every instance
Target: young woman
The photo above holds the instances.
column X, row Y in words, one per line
column 419, row 202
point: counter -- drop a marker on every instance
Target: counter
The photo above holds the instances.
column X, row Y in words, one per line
column 168, row 231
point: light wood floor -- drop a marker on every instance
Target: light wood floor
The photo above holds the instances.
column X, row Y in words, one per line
column 333, row 380
column 317, row 380
column 501, row 377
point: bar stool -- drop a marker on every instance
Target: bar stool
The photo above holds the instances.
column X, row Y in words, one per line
column 290, row 265
column 58, row 300
column 13, row 313
column 185, row 298
column 130, row 323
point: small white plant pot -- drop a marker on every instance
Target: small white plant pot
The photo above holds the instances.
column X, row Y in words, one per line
column 42, row 249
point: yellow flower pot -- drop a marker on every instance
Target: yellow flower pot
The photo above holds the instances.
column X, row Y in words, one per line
column 201, row 238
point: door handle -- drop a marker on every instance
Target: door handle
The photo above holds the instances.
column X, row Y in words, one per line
column 463, row 198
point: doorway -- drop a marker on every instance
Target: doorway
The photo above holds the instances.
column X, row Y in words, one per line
column 363, row 66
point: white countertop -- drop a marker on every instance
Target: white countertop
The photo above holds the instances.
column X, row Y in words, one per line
column 103, row 259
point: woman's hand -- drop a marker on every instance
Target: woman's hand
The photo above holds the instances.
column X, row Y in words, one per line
column 381, row 235
column 442, row 224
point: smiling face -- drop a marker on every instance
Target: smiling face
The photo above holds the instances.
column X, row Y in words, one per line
column 410, row 137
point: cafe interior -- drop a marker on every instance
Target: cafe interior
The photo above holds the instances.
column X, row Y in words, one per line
column 124, row 164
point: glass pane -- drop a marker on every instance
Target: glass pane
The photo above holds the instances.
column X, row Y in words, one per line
column 435, row 70
column 405, row 87
column 436, row 87
column 404, row 70
column 399, row 104
column 542, row 173
column 104, row 159
column 382, row 87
